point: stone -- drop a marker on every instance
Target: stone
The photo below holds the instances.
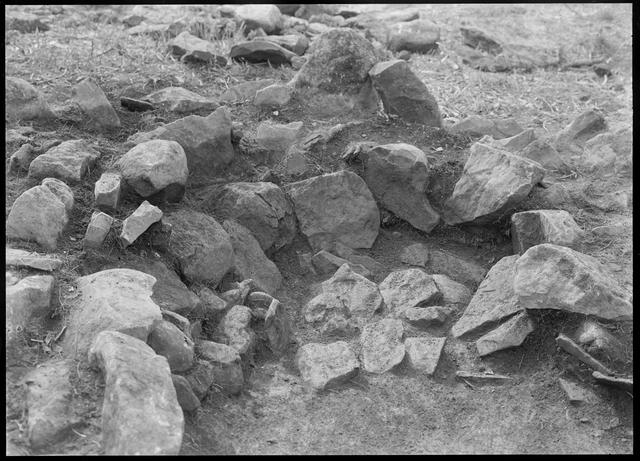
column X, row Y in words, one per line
column 625, row 384
column 276, row 139
column 178, row 320
column 201, row 246
column 328, row 19
column 292, row 42
column 317, row 28
column 261, row 51
column 26, row 300
column 61, row 190
column 327, row 263
column 277, row 327
column 244, row 91
column 479, row 39
column 530, row 228
column 95, row 105
column 250, row 261
column 404, row 94
column 288, row 8
column 493, row 183
column 235, row 326
column 69, row 161
column 326, row 366
column 423, row 354
column 575, row 392
column 436, row 260
column 155, row 169
column 335, row 207
column 22, row 158
column 37, row 214
column 347, row 295
column 382, row 347
column 135, row 105
column 409, row 288
column 25, row 23
column 598, row 341
column 169, row 341
column 584, row 127
column 113, row 299
column 545, row 154
column 186, row 398
column 212, row 303
column 514, row 143
column 227, row 369
column 397, row 175
column 511, row 333
column 22, row 101
column 97, row 230
column 453, row 293
column 259, row 299
column 265, row 17
column 200, row 378
column 475, row 125
column 132, row 425
column 494, row 299
column 424, row 317
column 180, row 100
column 550, row 276
column 158, row 31
column 296, row 162
column 417, row 36
column 262, row 207
column 206, row 140
column 569, row 346
column 273, row 96
column 107, row 192
column 21, row 258
column 138, row 222
column 492, row 378
column 48, row 403
column 191, row 48
column 297, row 62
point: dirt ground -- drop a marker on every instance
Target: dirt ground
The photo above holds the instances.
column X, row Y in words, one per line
column 401, row 411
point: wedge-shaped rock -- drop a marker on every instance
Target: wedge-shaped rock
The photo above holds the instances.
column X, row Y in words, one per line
column 181, row 100
column 69, row 161
column 397, row 175
column 409, row 288
column 493, row 183
column 335, row 207
column 453, row 293
column 138, row 222
column 113, row 299
column 95, row 105
column 382, row 347
column 140, row 414
column 324, row 366
column 493, row 300
column 530, row 228
column 423, row 354
column 510, row 334
column 261, row 51
column 554, row 277
column 22, row 258
column 584, row 127
column 190, row 47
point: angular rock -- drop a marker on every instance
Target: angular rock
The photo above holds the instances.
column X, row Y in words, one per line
column 493, row 300
column 397, row 175
column 250, row 261
column 544, row 153
column 97, row 230
column 382, row 347
column 479, row 39
column 262, row 207
column 22, row 158
column 277, row 327
column 69, row 161
column 327, row 263
column 292, row 42
column 167, row 340
column 181, row 100
column 346, row 295
column 549, row 276
column 132, row 425
column 408, row 288
column 514, row 143
column 598, row 341
column 48, row 403
column 212, row 303
column 200, row 245
column 22, row 258
column 38, row 214
column 530, row 228
column 436, row 260
column 404, row 94
column 335, row 207
column 155, row 169
column 273, row 96
column 206, row 140
column 569, row 346
column 265, row 17
column 509, row 334
column 276, row 139
column 244, row 91
column 107, row 192
column 138, row 222
column 61, row 190
column 113, row 299
column 423, row 354
column 423, row 317
column 186, row 398
column 493, row 183
column 417, row 36
column 475, row 125
column 575, row 393
column 22, row 101
column 135, row 105
column 261, row 51
column 620, row 383
column 227, row 370
column 95, row 105
column 235, row 326
column 179, row 321
column 200, row 378
column 453, row 293
column 27, row 300
column 584, row 127
column 192, row 48
column 324, row 366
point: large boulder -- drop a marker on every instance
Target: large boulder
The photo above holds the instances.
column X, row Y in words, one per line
column 324, row 366
column 417, row 36
column 493, row 183
column 336, row 207
column 22, row 101
column 206, row 140
column 155, row 169
column 94, row 104
column 397, row 175
column 409, row 288
column 181, row 100
column 262, row 207
column 201, row 247
column 140, row 414
column 550, row 276
column 530, row 228
column 69, row 161
column 404, row 94
column 382, row 347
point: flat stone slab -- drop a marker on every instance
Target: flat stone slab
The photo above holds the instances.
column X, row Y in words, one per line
column 325, row 366
column 181, row 100
column 511, row 333
column 69, row 161
column 408, row 288
column 21, row 258
column 261, row 51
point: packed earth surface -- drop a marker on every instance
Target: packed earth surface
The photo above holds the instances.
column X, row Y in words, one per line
column 319, row 229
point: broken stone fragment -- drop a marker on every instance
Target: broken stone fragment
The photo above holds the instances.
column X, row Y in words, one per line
column 423, row 354
column 97, row 230
column 382, row 347
column 138, row 222
column 511, row 333
column 107, row 192
column 325, row 366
